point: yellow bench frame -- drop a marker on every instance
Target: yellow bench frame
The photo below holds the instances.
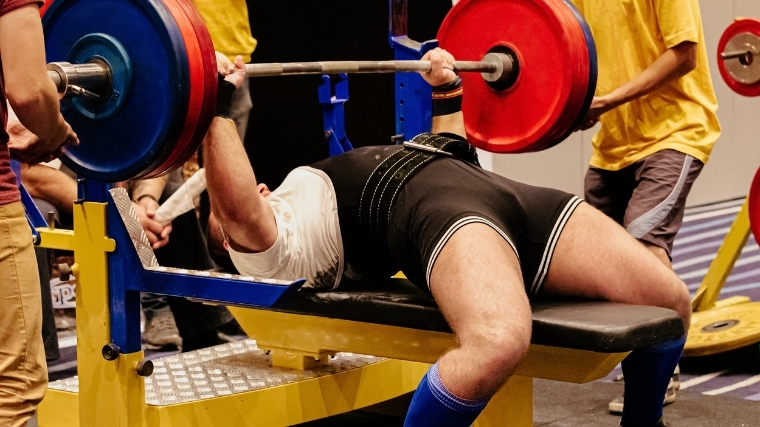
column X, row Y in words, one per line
column 112, row 394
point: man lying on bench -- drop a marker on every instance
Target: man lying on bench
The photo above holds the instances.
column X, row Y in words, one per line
column 481, row 244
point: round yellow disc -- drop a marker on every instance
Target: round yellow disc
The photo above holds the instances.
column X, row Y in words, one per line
column 723, row 329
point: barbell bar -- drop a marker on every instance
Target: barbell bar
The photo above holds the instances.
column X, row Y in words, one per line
column 92, row 78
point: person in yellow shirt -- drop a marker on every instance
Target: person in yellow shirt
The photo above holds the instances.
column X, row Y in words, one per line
column 656, row 105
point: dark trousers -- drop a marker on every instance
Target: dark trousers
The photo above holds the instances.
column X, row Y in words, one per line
column 49, row 333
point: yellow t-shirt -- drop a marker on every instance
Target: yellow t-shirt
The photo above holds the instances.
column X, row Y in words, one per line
column 227, row 22
column 630, row 35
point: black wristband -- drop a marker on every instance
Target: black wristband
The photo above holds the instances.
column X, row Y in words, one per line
column 447, row 98
column 224, row 93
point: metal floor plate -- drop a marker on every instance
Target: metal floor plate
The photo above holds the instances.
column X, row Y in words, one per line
column 225, row 369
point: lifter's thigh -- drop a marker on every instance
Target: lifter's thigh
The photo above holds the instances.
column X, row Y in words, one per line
column 23, row 373
column 477, row 283
column 596, row 258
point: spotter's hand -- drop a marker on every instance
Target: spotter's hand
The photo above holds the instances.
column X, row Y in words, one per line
column 223, row 65
column 442, row 70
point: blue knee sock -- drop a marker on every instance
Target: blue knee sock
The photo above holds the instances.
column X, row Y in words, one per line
column 647, row 372
column 434, row 406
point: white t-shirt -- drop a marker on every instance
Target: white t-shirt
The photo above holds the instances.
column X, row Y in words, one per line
column 308, row 242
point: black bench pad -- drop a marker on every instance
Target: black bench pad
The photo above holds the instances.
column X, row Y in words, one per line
column 583, row 325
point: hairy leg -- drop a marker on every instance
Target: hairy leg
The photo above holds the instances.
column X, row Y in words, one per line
column 596, row 258
column 660, row 254
column 477, row 284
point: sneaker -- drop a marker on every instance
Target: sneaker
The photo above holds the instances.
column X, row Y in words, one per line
column 161, row 332
column 616, row 405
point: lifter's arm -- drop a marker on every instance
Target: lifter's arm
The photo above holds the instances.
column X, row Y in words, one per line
column 441, row 73
column 246, row 217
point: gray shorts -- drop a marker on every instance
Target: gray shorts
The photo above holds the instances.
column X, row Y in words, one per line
column 648, row 198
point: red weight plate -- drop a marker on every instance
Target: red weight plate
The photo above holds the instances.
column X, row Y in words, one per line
column 744, row 25
column 197, row 86
column 208, row 105
column 754, row 206
column 45, row 7
column 580, row 81
column 550, row 50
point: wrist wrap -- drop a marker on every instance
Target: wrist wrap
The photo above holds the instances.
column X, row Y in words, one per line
column 447, row 98
column 224, row 97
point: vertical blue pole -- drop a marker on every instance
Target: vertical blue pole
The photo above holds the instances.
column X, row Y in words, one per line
column 413, row 95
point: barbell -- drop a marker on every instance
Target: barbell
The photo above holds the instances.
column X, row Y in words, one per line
column 495, row 68
column 139, row 77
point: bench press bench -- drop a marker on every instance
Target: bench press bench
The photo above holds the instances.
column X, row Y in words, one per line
column 573, row 341
column 315, row 354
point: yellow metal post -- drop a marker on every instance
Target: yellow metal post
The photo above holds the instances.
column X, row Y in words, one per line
column 511, row 406
column 110, row 392
column 724, row 261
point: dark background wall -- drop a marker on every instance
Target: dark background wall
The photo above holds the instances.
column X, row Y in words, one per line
column 286, row 128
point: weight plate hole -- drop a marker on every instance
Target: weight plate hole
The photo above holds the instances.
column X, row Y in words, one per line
column 720, row 326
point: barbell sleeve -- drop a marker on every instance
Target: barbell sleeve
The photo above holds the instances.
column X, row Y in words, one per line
column 92, row 77
column 736, row 54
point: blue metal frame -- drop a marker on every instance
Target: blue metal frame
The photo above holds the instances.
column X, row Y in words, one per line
column 333, row 113
column 33, row 215
column 414, row 109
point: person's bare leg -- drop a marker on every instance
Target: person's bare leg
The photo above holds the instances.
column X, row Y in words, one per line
column 661, row 254
column 596, row 258
column 477, row 284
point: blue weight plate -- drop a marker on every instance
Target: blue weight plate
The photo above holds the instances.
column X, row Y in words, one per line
column 594, row 64
column 138, row 124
